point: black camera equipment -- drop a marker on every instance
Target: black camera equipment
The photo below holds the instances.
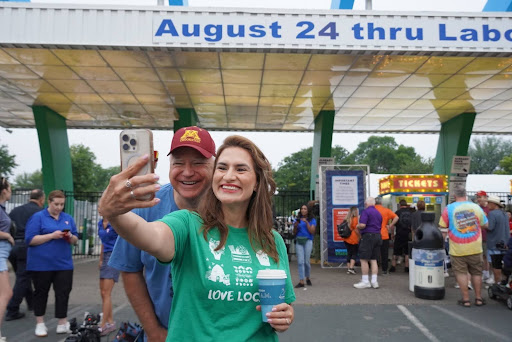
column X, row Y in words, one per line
column 87, row 332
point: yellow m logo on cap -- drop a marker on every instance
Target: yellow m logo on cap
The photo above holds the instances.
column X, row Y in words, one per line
column 191, row 135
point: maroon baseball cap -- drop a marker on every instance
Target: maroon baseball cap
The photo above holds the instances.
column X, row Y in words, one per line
column 481, row 193
column 194, row 137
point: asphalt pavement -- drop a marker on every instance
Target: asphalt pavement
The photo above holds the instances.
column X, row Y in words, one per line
column 329, row 310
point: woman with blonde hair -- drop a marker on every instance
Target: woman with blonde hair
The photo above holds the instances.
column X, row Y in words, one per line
column 352, row 242
column 215, row 252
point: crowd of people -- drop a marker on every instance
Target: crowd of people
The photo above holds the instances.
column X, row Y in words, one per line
column 207, row 232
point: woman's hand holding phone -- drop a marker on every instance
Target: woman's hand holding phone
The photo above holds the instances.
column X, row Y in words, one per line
column 124, row 189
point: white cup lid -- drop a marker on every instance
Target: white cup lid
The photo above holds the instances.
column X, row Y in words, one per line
column 271, row 274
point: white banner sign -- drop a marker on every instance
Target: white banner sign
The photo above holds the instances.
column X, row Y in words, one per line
column 335, row 30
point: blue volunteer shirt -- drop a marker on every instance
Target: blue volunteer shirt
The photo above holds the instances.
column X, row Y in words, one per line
column 128, row 258
column 53, row 255
column 372, row 219
column 302, row 228
column 108, row 236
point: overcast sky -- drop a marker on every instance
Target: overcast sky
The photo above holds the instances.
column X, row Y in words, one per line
column 104, row 143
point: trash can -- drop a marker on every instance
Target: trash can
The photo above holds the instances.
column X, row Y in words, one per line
column 428, row 255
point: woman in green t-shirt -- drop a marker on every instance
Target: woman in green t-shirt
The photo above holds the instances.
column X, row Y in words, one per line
column 215, row 252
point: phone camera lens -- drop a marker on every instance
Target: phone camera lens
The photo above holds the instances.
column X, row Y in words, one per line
column 125, row 137
column 126, row 147
column 133, row 142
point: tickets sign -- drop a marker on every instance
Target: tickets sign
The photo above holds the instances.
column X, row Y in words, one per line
column 413, row 183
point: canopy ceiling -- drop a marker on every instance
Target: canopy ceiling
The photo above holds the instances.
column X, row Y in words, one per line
column 248, row 89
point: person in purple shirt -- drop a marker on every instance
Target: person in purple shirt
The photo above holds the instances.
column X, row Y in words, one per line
column 369, row 245
column 108, row 275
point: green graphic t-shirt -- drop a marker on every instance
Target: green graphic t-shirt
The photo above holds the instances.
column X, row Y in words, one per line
column 216, row 292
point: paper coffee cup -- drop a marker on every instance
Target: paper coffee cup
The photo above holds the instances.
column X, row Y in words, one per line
column 272, row 289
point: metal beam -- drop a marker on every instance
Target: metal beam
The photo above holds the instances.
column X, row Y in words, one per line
column 498, row 6
column 342, row 4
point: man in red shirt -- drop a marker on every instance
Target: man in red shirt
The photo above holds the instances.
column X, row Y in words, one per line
column 387, row 216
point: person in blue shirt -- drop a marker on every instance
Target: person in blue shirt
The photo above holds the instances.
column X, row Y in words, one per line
column 108, row 275
column 304, row 231
column 147, row 282
column 49, row 234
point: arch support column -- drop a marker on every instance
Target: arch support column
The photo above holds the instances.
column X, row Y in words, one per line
column 453, row 141
column 188, row 117
column 54, row 146
column 322, row 144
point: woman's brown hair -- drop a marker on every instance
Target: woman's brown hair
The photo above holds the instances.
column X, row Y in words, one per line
column 55, row 194
column 259, row 211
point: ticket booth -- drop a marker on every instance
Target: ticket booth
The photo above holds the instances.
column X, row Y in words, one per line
column 433, row 189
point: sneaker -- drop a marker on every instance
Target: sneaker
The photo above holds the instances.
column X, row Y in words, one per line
column 351, row 271
column 457, row 286
column 488, row 281
column 14, row 316
column 399, row 260
column 299, row 285
column 375, row 284
column 406, row 269
column 384, row 272
column 392, row 269
column 308, row 282
column 470, row 287
column 363, row 285
column 107, row 329
column 41, row 330
column 3, row 339
column 446, row 274
column 63, row 328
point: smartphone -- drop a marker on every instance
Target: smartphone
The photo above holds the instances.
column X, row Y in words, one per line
column 134, row 143
column 65, row 230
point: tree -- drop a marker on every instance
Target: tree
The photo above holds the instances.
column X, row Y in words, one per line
column 7, row 161
column 505, row 166
column 294, row 172
column 88, row 176
column 27, row 180
column 486, row 154
column 384, row 155
column 83, row 164
column 103, row 176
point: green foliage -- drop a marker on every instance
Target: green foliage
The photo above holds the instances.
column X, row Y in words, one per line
column 27, row 180
column 486, row 154
column 294, row 172
column 7, row 161
column 505, row 166
column 88, row 176
column 384, row 155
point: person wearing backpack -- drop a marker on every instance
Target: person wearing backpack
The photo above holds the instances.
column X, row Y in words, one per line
column 352, row 242
column 401, row 235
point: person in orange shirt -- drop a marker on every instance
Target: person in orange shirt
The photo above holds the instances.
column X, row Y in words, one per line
column 352, row 242
column 387, row 215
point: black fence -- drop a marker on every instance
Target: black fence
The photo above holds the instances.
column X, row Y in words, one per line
column 84, row 208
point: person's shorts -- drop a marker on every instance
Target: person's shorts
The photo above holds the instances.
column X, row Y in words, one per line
column 496, row 258
column 5, row 250
column 107, row 272
column 369, row 246
column 351, row 251
column 400, row 245
column 472, row 264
